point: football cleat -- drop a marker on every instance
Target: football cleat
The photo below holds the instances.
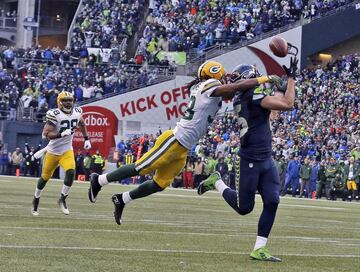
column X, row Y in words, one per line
column 62, row 204
column 209, row 183
column 262, row 254
column 95, row 187
column 119, row 207
column 35, row 206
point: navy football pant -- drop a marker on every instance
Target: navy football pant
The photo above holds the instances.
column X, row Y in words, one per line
column 259, row 176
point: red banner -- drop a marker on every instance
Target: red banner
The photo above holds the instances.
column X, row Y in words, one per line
column 101, row 125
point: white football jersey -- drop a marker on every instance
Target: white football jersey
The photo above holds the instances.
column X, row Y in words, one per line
column 62, row 121
column 200, row 113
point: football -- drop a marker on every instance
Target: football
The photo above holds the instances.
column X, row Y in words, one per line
column 279, row 47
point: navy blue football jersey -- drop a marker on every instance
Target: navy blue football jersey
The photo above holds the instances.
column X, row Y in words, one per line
column 255, row 131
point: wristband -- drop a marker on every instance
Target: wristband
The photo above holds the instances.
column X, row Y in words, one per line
column 86, row 138
column 262, row 79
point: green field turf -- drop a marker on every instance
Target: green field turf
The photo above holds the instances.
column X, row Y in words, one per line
column 175, row 230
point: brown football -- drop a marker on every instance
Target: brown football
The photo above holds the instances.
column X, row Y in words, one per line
column 278, row 46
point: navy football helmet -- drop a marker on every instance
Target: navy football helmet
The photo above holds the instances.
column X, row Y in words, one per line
column 244, row 71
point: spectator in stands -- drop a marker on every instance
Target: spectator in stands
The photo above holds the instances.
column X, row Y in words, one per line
column 4, row 163
column 98, row 163
column 32, row 164
column 188, row 174
column 17, row 159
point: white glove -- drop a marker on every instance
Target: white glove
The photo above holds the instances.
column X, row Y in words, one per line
column 87, row 144
column 65, row 133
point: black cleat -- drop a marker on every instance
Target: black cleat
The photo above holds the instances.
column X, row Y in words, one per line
column 62, row 204
column 95, row 187
column 35, row 206
column 119, row 206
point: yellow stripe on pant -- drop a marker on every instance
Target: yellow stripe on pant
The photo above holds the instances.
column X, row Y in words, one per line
column 52, row 161
column 167, row 158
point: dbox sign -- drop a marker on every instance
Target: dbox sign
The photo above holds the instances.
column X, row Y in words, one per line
column 101, row 125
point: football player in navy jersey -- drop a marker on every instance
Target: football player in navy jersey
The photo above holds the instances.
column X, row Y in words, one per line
column 256, row 170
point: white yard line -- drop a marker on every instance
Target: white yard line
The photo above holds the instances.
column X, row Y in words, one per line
column 171, row 251
column 240, row 234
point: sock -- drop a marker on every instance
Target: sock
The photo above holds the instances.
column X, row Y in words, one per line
column 147, row 188
column 123, row 172
column 65, row 190
column 260, row 242
column 37, row 193
column 126, row 197
column 220, row 186
column 103, row 180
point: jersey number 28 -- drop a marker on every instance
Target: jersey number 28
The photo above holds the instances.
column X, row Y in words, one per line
column 67, row 124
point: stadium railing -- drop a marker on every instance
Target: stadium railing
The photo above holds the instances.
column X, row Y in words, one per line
column 8, row 23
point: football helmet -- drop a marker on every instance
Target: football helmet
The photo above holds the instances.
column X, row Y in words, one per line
column 211, row 69
column 244, row 71
column 65, row 101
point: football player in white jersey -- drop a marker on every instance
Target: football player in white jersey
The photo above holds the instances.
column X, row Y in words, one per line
column 168, row 156
column 60, row 126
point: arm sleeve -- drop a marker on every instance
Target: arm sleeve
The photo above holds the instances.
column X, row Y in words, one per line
column 210, row 86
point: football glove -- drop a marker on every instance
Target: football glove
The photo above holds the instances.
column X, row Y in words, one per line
column 87, row 144
column 65, row 133
column 291, row 71
column 274, row 79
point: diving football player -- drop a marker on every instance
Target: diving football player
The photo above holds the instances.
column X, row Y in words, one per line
column 168, row 156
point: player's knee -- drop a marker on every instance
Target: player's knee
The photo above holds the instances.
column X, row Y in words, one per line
column 244, row 210
column 45, row 177
column 69, row 177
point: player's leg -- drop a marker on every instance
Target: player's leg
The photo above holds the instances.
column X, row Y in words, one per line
column 242, row 199
column 168, row 167
column 67, row 162
column 50, row 163
column 142, row 166
column 268, row 187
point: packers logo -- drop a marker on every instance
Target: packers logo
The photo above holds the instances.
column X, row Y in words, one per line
column 215, row 69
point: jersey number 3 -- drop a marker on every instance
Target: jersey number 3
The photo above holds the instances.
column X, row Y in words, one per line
column 189, row 113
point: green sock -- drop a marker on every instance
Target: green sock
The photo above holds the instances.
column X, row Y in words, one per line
column 147, row 188
column 123, row 172
column 41, row 184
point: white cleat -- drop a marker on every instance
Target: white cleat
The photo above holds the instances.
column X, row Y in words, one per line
column 34, row 213
column 62, row 204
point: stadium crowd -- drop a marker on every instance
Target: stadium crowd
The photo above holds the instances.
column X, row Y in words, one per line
column 314, row 145
column 182, row 25
column 105, row 23
column 35, row 83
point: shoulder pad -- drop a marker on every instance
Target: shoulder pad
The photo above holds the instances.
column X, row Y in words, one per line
column 51, row 115
column 210, row 84
column 78, row 110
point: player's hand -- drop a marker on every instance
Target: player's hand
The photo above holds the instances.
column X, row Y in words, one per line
column 291, row 71
column 87, row 144
column 65, row 133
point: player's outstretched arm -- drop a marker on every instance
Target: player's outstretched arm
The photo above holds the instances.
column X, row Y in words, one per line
column 227, row 91
column 82, row 126
column 285, row 102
